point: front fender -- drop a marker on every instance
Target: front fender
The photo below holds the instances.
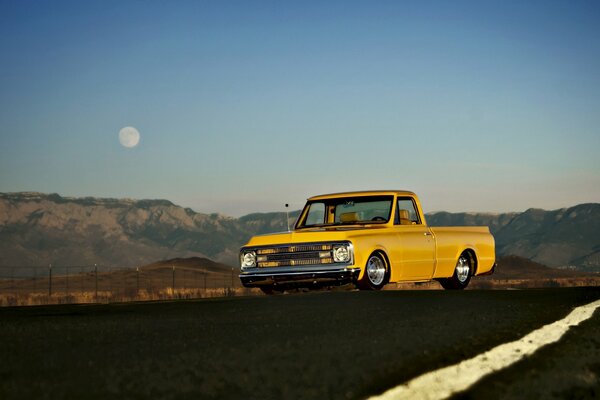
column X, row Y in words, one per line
column 362, row 254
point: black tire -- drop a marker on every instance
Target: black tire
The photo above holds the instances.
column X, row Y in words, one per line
column 376, row 273
column 462, row 273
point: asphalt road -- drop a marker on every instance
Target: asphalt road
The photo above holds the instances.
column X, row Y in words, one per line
column 338, row 345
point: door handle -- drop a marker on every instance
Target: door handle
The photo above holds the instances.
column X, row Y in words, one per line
column 427, row 234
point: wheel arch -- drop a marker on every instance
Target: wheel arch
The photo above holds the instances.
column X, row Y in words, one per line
column 381, row 251
column 386, row 259
column 473, row 256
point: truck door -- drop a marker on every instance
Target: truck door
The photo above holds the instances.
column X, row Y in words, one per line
column 416, row 244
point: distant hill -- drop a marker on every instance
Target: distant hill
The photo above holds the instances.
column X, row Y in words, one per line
column 515, row 267
column 42, row 229
column 199, row 264
column 495, row 221
column 569, row 237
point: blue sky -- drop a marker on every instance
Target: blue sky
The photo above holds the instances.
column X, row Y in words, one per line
column 243, row 106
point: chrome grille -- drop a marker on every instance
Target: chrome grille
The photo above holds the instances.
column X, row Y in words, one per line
column 295, row 249
column 294, row 255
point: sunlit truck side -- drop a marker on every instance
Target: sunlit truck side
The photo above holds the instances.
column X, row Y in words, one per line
column 368, row 239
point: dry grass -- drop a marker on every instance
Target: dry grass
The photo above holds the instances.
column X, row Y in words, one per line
column 155, row 282
column 533, row 283
column 145, row 284
column 487, row 283
column 431, row 285
column 42, row 298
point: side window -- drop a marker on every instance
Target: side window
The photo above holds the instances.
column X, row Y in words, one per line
column 406, row 213
column 316, row 214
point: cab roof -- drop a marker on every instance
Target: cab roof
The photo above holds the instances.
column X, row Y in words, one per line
column 362, row 193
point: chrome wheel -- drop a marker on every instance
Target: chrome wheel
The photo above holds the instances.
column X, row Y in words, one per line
column 375, row 270
column 462, row 269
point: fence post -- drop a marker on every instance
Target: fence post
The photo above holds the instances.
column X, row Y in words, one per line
column 50, row 280
column 110, row 287
column 96, row 279
column 173, row 284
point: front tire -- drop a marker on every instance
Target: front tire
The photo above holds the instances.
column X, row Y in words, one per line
column 376, row 273
column 462, row 274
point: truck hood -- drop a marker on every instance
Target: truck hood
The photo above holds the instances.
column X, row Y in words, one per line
column 308, row 235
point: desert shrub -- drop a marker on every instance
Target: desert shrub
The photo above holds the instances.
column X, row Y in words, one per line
column 552, row 283
column 483, row 285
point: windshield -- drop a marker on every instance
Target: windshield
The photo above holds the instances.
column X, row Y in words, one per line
column 347, row 211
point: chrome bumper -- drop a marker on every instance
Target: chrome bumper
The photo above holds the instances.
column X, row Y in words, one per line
column 299, row 277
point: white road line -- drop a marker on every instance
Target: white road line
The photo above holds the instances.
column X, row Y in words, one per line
column 448, row 381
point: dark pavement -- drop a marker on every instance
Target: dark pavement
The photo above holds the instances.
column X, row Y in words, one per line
column 309, row 345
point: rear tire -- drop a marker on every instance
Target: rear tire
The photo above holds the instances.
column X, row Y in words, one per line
column 462, row 273
column 376, row 273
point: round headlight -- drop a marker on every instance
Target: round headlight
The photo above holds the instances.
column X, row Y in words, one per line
column 248, row 259
column 341, row 254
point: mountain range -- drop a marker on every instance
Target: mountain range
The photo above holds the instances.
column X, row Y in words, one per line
column 41, row 229
column 567, row 237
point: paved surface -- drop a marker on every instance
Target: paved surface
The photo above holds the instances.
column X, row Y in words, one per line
column 569, row 369
column 311, row 345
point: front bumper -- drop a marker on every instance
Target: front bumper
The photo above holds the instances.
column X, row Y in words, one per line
column 304, row 277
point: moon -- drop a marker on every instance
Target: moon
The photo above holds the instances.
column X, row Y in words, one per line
column 129, row 137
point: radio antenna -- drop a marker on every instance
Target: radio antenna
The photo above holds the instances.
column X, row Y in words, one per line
column 287, row 216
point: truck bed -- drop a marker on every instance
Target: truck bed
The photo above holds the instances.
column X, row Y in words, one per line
column 477, row 238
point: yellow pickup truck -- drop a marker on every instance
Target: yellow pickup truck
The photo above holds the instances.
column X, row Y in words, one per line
column 369, row 239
